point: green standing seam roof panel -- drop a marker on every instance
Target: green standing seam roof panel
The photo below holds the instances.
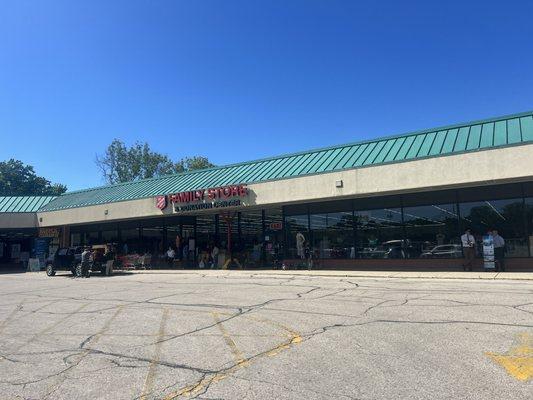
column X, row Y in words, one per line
column 352, row 156
column 458, row 138
column 500, row 133
column 487, row 135
column 526, row 124
column 513, row 131
column 23, row 204
column 384, row 151
column 474, row 137
column 449, row 141
column 415, row 146
column 364, row 155
column 375, row 152
column 426, row 144
column 404, row 148
column 394, row 148
column 462, row 139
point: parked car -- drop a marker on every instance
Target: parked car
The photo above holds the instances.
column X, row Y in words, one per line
column 444, row 251
column 69, row 259
column 390, row 249
column 64, row 259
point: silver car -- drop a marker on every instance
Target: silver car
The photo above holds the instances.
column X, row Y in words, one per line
column 444, row 251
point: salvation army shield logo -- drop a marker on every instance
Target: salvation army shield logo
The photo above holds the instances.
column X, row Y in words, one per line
column 161, row 202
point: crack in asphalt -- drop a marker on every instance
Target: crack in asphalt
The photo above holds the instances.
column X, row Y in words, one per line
column 305, row 294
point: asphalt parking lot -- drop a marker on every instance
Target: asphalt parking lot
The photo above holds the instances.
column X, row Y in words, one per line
column 236, row 335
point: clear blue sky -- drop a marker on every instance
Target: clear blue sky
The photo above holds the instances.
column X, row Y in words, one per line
column 239, row 80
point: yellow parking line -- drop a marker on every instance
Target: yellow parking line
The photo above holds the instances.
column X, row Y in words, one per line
column 237, row 354
column 150, row 377
column 293, row 338
column 518, row 361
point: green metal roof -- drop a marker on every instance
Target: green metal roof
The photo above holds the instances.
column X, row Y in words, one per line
column 467, row 137
column 23, row 204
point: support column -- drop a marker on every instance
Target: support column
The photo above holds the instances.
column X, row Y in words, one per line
column 64, row 239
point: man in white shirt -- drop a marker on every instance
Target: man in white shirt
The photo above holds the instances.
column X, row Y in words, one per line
column 469, row 250
column 171, row 254
column 499, row 250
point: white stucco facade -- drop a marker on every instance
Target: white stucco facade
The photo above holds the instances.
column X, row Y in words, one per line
column 485, row 167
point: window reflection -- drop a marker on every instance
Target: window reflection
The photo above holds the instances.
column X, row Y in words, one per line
column 332, row 235
column 110, row 236
column 433, row 231
column 251, row 237
column 229, row 231
column 380, row 234
column 296, row 224
column 507, row 216
column 273, row 235
column 529, row 222
column 205, row 232
column 130, row 239
column 75, row 239
column 153, row 240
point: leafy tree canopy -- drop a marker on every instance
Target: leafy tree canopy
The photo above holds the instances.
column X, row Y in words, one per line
column 121, row 163
column 18, row 179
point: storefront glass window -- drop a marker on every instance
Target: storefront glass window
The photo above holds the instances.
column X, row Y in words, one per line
column 297, row 225
column 529, row 223
column 153, row 239
column 92, row 237
column 507, row 216
column 332, row 235
column 130, row 241
column 273, row 240
column 205, row 236
column 75, row 239
column 110, row 236
column 380, row 234
column 251, row 237
column 229, row 222
column 189, row 246
column 205, row 229
column 433, row 231
column 172, row 232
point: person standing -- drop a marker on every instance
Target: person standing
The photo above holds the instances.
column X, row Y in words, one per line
column 171, row 254
column 214, row 256
column 85, row 262
column 300, row 241
column 499, row 250
column 469, row 251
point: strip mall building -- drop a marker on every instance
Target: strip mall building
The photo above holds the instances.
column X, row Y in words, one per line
column 399, row 201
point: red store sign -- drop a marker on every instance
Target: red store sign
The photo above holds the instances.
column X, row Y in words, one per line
column 219, row 193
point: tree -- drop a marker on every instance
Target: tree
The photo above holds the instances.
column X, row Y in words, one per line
column 192, row 163
column 123, row 164
column 17, row 179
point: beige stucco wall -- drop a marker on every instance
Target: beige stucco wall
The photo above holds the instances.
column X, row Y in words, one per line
column 478, row 168
column 18, row 220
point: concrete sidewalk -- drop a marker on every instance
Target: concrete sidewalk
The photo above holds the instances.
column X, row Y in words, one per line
column 357, row 274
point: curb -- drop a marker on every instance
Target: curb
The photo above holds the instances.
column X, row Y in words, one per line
column 489, row 276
